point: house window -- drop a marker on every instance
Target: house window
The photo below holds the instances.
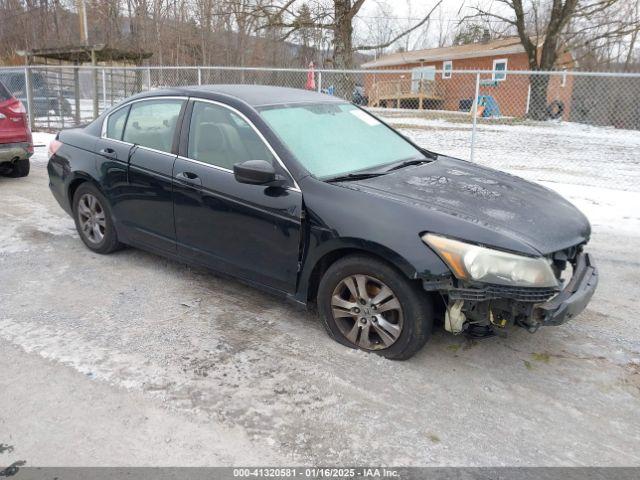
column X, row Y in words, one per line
column 421, row 76
column 447, row 66
column 499, row 70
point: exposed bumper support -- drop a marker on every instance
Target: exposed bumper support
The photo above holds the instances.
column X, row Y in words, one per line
column 575, row 296
column 501, row 306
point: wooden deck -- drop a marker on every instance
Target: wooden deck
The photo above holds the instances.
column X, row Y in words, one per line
column 392, row 93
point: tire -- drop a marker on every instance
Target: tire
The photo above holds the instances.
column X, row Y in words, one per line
column 555, row 109
column 400, row 333
column 20, row 168
column 100, row 234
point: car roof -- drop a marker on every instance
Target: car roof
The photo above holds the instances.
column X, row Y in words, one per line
column 263, row 95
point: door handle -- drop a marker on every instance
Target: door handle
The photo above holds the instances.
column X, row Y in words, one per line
column 189, row 177
column 108, row 152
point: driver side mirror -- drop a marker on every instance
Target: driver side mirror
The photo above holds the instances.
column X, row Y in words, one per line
column 255, row 172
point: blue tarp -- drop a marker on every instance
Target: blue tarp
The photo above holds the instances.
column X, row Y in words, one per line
column 491, row 108
column 489, row 103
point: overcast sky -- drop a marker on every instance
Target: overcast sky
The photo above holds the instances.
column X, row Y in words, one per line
column 409, row 12
column 417, row 8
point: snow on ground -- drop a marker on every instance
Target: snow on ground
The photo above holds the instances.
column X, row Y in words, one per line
column 606, row 208
column 41, row 139
column 560, row 152
column 50, row 121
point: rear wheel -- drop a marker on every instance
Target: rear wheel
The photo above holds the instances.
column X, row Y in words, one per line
column 20, row 168
column 92, row 216
column 367, row 304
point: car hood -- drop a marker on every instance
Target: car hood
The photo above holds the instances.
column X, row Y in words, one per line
column 482, row 197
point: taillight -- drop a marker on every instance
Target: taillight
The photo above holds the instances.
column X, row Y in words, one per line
column 54, row 146
column 15, row 111
column 17, row 107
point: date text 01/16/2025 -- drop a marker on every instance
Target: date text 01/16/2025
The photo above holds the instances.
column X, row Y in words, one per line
column 316, row 472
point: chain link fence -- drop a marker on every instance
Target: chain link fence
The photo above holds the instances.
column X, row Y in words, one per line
column 549, row 126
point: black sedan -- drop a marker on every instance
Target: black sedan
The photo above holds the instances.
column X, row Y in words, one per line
column 315, row 199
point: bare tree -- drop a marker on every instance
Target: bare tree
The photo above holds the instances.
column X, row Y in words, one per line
column 543, row 29
column 607, row 37
column 633, row 37
column 379, row 27
column 338, row 17
column 31, row 24
column 444, row 28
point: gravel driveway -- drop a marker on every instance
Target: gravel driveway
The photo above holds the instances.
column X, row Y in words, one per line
column 131, row 359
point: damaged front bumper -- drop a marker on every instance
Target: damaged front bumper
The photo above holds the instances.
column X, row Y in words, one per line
column 574, row 298
column 500, row 306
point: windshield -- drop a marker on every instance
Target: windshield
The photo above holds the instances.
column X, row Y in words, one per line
column 332, row 139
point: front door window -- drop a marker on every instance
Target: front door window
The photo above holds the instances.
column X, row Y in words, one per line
column 222, row 138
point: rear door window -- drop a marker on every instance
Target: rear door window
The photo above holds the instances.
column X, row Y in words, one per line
column 152, row 123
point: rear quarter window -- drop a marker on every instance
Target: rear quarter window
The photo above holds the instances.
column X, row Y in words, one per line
column 115, row 123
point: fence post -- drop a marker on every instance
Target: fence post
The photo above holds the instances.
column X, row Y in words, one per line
column 94, row 74
column 148, row 79
column 199, row 76
column 76, row 93
column 29, row 87
column 104, row 89
column 319, row 82
column 61, row 111
column 474, row 110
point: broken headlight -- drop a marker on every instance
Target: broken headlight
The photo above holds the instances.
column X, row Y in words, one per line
column 471, row 262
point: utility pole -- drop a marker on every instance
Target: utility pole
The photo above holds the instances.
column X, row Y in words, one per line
column 84, row 38
column 82, row 17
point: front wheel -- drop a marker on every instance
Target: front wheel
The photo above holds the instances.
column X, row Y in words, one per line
column 367, row 304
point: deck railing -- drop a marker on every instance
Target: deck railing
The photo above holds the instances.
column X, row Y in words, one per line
column 392, row 92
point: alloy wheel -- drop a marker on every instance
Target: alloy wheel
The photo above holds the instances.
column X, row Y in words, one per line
column 91, row 217
column 367, row 312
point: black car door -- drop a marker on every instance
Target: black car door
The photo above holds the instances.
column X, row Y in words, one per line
column 251, row 231
column 113, row 162
column 143, row 207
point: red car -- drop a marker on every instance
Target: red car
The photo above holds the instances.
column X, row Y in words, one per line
column 16, row 142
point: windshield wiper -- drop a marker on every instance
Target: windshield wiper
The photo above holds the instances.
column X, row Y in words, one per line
column 354, row 176
column 407, row 163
